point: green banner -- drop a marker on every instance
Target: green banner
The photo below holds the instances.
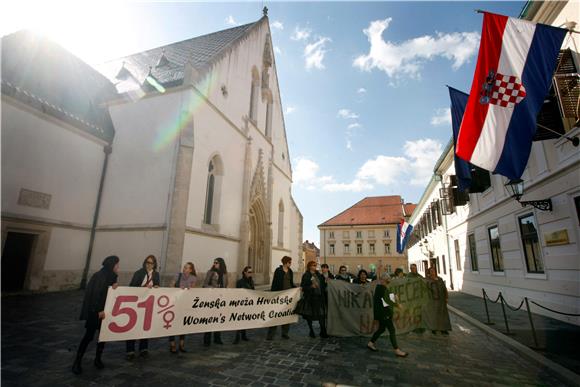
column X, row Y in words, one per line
column 350, row 306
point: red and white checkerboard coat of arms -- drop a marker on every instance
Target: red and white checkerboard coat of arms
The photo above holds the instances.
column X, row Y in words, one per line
column 503, row 90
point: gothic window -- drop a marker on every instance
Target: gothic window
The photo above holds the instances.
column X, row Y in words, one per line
column 213, row 189
column 254, row 94
column 209, row 194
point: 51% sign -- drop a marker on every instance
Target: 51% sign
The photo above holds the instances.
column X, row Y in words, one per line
column 163, row 307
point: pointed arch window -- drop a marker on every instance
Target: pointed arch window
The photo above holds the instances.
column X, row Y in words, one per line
column 213, row 190
column 281, row 224
column 209, row 194
column 254, row 95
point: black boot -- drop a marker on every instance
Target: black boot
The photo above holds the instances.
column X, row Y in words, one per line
column 98, row 362
column 244, row 337
column 323, row 333
column 311, row 334
column 217, row 338
column 76, row 368
column 237, row 339
column 207, row 339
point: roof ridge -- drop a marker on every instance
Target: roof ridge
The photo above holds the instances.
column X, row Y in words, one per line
column 247, row 25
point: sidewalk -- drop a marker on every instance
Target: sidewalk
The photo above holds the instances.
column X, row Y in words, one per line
column 557, row 340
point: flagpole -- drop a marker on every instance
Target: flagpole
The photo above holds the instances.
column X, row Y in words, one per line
column 574, row 140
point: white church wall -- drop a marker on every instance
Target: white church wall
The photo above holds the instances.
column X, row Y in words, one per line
column 201, row 250
column 42, row 156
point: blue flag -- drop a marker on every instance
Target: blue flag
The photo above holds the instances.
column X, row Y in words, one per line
column 404, row 231
column 462, row 167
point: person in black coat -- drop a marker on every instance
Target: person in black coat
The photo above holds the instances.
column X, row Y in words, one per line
column 283, row 280
column 313, row 286
column 146, row 277
column 246, row 282
column 383, row 306
column 93, row 309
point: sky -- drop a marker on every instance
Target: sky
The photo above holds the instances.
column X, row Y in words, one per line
column 363, row 85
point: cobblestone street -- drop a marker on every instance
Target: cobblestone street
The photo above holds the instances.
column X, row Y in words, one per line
column 40, row 334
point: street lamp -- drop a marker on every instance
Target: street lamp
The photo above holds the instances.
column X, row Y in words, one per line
column 516, row 186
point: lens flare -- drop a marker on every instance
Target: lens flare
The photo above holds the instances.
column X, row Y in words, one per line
column 169, row 133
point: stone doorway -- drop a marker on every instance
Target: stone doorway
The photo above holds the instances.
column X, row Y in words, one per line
column 257, row 255
column 15, row 260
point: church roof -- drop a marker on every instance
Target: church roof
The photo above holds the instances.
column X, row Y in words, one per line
column 377, row 210
column 166, row 64
column 46, row 77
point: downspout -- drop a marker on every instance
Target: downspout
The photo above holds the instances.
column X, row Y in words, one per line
column 439, row 177
column 107, row 149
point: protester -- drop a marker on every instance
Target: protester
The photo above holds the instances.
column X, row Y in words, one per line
column 362, row 277
column 414, row 273
column 313, row 308
column 383, row 304
column 342, row 274
column 146, row 277
column 435, row 313
column 184, row 280
column 246, row 282
column 326, row 272
column 283, row 279
column 216, row 277
column 399, row 273
column 93, row 309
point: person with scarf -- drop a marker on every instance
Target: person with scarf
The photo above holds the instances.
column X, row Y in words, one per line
column 93, row 308
column 313, row 287
column 184, row 280
column 384, row 302
column 146, row 277
column 283, row 280
column 342, row 274
column 246, row 282
column 216, row 277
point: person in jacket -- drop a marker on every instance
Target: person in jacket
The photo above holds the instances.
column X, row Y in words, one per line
column 216, row 277
column 246, row 282
column 383, row 304
column 342, row 274
column 414, row 273
column 93, row 308
column 435, row 313
column 314, row 309
column 146, row 277
column 184, row 280
column 283, row 280
column 361, row 278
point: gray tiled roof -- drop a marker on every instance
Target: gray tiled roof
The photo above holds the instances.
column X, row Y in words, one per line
column 45, row 76
column 166, row 63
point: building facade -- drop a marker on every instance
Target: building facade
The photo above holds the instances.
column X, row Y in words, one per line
column 487, row 240
column 364, row 235
column 183, row 155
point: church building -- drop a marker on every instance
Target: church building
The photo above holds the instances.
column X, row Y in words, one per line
column 179, row 151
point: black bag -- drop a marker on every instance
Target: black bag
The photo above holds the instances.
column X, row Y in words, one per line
column 300, row 307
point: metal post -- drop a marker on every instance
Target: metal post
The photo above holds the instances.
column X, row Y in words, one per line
column 532, row 323
column 504, row 315
column 486, row 310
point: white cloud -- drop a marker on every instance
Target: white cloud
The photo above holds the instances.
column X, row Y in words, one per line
column 314, row 53
column 300, row 34
column 384, row 170
column 305, row 174
column 277, row 50
column 354, row 125
column 356, row 185
column 361, row 91
column 442, row 116
column 398, row 60
column 423, row 155
column 276, row 24
column 231, row 21
column 289, row 110
column 304, row 171
column 346, row 113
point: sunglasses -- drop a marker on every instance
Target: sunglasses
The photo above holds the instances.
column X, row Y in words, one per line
column 249, row 272
column 216, row 263
column 150, row 263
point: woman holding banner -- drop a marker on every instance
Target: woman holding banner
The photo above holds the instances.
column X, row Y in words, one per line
column 313, row 309
column 216, row 277
column 383, row 304
column 146, row 277
column 246, row 282
column 184, row 280
column 283, row 280
column 93, row 309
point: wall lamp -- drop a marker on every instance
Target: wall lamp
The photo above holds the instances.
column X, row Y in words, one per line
column 516, row 186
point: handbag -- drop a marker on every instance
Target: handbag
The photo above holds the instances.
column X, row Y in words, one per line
column 300, row 306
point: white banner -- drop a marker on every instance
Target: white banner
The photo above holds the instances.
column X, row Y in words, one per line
column 139, row 313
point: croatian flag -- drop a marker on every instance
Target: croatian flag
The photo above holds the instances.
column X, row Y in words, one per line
column 404, row 230
column 512, row 76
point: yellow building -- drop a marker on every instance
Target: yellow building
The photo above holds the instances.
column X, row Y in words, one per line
column 364, row 235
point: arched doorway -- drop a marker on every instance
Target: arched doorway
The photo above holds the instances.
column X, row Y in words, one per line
column 257, row 255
